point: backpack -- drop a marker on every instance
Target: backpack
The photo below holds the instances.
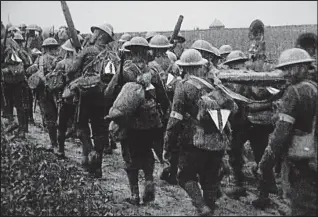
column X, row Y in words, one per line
column 213, row 104
column 96, row 72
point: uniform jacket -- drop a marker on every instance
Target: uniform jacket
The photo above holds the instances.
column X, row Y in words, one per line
column 183, row 120
column 295, row 112
column 130, row 73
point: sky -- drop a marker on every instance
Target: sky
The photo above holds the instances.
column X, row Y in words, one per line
column 137, row 16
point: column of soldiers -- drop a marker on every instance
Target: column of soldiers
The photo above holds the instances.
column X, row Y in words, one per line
column 186, row 118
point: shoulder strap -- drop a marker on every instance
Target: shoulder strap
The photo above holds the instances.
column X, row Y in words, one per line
column 207, row 84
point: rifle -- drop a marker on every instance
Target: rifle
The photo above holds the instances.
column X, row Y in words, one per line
column 2, row 61
column 73, row 33
column 176, row 29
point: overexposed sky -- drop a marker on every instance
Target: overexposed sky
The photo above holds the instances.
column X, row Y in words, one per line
column 133, row 16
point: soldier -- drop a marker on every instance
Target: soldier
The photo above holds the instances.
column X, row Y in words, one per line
column 32, row 40
column 13, row 30
column 125, row 37
column 47, row 100
column 66, row 107
column 27, row 61
column 91, row 61
column 178, row 45
column 235, row 60
column 15, row 90
column 148, row 37
column 162, row 66
column 203, row 142
column 210, row 53
column 296, row 122
column 22, row 28
column 224, row 51
column 137, row 153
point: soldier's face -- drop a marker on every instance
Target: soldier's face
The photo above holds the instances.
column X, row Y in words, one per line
column 293, row 73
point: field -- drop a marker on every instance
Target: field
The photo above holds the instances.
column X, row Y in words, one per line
column 277, row 38
column 36, row 182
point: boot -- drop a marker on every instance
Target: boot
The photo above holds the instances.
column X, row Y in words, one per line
column 99, row 148
column 22, row 123
column 134, row 188
column 53, row 137
column 238, row 190
column 210, row 196
column 262, row 201
column 86, row 149
column 194, row 192
column 149, row 193
column 61, row 144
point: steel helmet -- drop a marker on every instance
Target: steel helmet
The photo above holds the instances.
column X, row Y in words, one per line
column 191, row 57
column 125, row 37
column 203, row 45
column 32, row 27
column 159, row 41
column 225, row 49
column 18, row 37
column 179, row 38
column 172, row 57
column 235, row 56
column 13, row 28
column 123, row 47
column 21, row 26
column 293, row 56
column 137, row 41
column 68, row 46
column 107, row 28
column 50, row 42
column 149, row 35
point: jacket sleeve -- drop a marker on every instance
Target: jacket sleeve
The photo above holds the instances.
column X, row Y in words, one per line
column 280, row 138
column 176, row 117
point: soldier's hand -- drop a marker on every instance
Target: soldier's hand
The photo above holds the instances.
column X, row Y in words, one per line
column 166, row 156
column 260, row 174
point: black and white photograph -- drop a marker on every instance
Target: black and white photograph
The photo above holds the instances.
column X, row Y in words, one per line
column 159, row 108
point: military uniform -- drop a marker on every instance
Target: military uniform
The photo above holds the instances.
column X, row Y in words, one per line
column 295, row 113
column 15, row 87
column 47, row 99
column 92, row 108
column 137, row 153
column 200, row 154
column 296, row 131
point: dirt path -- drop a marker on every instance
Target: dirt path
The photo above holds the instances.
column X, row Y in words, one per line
column 170, row 200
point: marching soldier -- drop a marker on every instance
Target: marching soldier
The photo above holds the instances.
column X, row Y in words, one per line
column 224, row 51
column 22, row 28
column 137, row 153
column 15, row 91
column 204, row 142
column 148, row 37
column 236, row 60
column 296, row 122
column 159, row 44
column 32, row 40
column 27, row 61
column 91, row 62
column 125, row 37
column 47, row 100
column 209, row 53
column 66, row 107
